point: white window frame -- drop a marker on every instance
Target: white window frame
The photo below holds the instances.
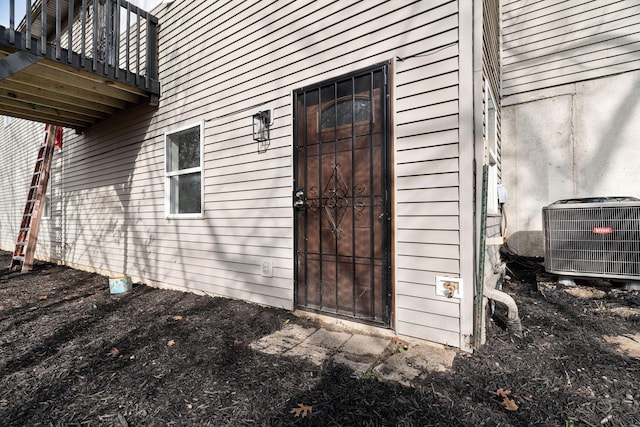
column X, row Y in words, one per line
column 490, row 135
column 46, row 205
column 170, row 174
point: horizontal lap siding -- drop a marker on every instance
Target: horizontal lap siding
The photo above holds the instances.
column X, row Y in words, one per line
column 427, row 188
column 220, row 63
column 552, row 43
column 19, row 143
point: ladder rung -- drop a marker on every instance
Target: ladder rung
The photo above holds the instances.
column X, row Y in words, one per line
column 31, row 216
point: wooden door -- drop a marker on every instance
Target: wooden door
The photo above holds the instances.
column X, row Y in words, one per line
column 341, row 197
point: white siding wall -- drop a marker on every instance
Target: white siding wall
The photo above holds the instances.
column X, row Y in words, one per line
column 19, row 142
column 427, row 183
column 221, row 62
column 550, row 43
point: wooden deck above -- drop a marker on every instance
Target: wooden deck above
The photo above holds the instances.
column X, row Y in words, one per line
column 83, row 74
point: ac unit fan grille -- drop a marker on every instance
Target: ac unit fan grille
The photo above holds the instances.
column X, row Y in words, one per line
column 599, row 241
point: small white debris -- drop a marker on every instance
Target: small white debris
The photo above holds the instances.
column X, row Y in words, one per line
column 606, row 419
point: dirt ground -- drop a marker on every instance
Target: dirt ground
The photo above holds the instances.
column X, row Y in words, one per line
column 72, row 354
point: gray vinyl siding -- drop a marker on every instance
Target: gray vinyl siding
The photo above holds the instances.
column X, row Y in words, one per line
column 491, row 37
column 221, row 62
column 427, row 186
column 50, row 246
column 550, row 43
column 491, row 65
column 19, row 148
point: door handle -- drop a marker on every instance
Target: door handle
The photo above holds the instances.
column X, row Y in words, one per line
column 299, row 199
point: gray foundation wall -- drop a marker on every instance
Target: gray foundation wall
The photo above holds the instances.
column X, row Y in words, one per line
column 574, row 140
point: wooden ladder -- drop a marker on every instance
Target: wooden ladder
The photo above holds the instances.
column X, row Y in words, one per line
column 25, row 249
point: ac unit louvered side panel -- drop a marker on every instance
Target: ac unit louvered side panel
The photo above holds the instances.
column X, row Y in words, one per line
column 595, row 241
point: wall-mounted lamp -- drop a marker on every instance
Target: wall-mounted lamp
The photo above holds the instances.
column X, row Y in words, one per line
column 261, row 124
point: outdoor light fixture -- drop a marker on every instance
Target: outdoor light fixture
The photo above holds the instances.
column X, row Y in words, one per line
column 261, row 121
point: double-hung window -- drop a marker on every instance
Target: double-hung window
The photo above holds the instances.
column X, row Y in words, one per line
column 183, row 172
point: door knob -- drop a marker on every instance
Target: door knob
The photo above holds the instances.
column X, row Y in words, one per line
column 299, row 199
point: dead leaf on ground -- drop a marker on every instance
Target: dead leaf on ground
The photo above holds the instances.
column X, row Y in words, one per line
column 509, row 404
column 177, row 317
column 237, row 341
column 502, row 392
column 114, row 352
column 171, row 343
column 400, row 343
column 42, row 297
column 302, row 410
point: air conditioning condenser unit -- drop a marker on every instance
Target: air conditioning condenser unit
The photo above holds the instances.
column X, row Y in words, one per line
column 593, row 237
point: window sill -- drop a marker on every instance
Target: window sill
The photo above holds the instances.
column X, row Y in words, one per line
column 185, row 216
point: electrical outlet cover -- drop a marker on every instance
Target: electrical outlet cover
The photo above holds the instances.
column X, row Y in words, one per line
column 267, row 268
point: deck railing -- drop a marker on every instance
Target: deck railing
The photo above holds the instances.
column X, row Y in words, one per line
column 110, row 37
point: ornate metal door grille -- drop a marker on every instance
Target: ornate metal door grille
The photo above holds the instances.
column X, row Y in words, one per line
column 342, row 209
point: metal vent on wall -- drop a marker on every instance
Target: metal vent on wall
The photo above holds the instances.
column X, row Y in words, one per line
column 594, row 237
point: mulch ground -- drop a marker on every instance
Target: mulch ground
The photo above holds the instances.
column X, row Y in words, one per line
column 72, row 354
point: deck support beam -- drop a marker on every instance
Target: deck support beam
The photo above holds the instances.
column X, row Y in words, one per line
column 16, row 62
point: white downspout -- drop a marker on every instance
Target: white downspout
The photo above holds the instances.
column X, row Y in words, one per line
column 490, row 291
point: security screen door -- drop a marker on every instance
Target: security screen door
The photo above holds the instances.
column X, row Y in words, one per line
column 341, row 197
